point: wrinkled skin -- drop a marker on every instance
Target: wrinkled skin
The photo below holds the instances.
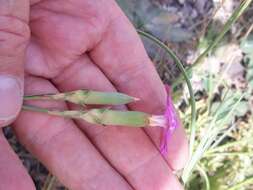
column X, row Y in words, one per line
column 86, row 44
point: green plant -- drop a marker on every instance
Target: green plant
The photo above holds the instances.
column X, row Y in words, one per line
column 247, row 48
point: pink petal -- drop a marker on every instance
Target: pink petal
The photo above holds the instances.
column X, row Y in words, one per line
column 172, row 122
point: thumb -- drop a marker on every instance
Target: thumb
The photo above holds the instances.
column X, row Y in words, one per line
column 14, row 36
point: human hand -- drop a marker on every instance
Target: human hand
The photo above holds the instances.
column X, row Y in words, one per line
column 90, row 44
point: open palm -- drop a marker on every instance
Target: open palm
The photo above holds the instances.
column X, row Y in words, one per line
column 90, row 44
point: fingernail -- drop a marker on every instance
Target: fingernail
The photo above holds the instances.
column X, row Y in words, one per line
column 10, row 98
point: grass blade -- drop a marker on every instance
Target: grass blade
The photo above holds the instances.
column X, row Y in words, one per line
column 244, row 183
column 206, row 142
column 234, row 17
column 205, row 176
column 229, row 145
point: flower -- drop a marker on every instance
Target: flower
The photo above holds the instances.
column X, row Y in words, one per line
column 172, row 122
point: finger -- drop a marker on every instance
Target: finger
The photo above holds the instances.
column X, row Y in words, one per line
column 121, row 56
column 12, row 173
column 14, row 35
column 177, row 149
column 129, row 150
column 32, row 2
column 62, row 147
column 55, row 43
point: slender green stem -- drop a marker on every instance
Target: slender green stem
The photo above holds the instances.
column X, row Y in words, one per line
column 37, row 97
column 229, row 145
column 248, row 32
column 206, row 141
column 215, row 154
column 204, row 175
column 35, row 109
column 244, row 183
column 234, row 17
column 188, row 82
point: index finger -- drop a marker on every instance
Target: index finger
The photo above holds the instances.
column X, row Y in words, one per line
column 123, row 59
column 14, row 37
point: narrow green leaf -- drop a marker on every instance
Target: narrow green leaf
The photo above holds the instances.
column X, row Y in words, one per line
column 244, row 183
column 234, row 17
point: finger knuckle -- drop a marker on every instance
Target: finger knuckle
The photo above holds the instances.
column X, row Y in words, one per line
column 130, row 73
column 14, row 33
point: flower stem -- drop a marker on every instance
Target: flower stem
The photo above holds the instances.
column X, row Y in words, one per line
column 34, row 109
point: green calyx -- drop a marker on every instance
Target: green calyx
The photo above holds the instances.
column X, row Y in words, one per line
column 120, row 118
column 87, row 97
column 105, row 117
